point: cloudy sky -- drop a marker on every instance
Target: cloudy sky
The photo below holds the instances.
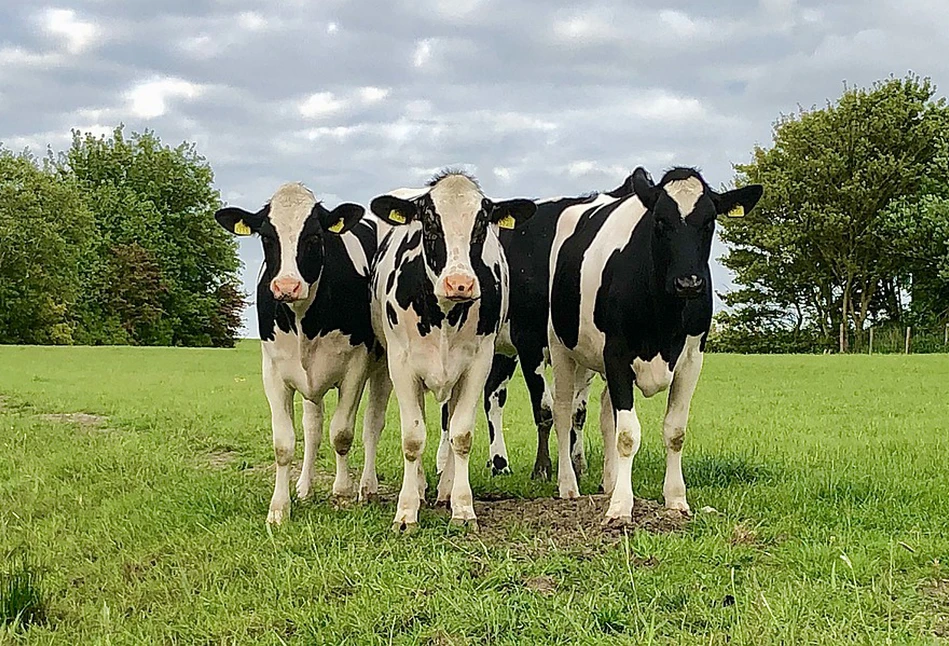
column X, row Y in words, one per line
column 538, row 98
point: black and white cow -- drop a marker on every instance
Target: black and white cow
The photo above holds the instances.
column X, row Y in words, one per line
column 630, row 299
column 528, row 252
column 315, row 331
column 440, row 296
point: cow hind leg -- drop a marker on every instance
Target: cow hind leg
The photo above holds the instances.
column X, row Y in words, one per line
column 373, row 422
column 673, row 427
column 446, row 476
column 444, row 449
column 564, row 369
column 342, row 429
column 312, row 436
column 495, row 396
column 608, row 430
column 582, row 389
column 532, row 365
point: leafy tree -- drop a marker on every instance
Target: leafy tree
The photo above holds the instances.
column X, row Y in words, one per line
column 46, row 232
column 818, row 249
column 164, row 272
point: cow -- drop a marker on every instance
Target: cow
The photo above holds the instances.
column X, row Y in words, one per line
column 630, row 299
column 528, row 252
column 439, row 298
column 315, row 330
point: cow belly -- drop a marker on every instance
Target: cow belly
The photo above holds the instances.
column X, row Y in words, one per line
column 652, row 376
column 439, row 365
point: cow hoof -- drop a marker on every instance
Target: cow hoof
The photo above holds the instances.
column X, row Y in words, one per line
column 401, row 527
column 618, row 522
column 443, row 504
column 540, row 473
column 579, row 464
column 277, row 516
column 469, row 524
column 369, row 497
column 569, row 494
column 303, row 489
column 506, row 471
column 499, row 466
column 680, row 506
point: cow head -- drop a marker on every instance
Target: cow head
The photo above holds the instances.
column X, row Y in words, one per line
column 455, row 219
column 292, row 227
column 684, row 210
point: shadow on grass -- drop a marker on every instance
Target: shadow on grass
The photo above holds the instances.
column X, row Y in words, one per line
column 21, row 595
column 724, row 470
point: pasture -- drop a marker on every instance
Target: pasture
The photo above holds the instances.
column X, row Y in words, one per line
column 143, row 519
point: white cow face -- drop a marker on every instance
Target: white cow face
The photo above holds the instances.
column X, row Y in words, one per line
column 292, row 227
column 455, row 220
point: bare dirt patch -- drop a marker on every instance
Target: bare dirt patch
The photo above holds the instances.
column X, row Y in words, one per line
column 544, row 585
column 566, row 524
column 222, row 459
column 83, row 419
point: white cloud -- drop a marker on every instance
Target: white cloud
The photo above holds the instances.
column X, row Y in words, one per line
column 149, row 99
column 320, row 104
column 660, row 105
column 503, row 174
column 251, row 21
column 78, row 34
column 585, row 27
column 332, row 28
column 371, row 94
column 423, row 52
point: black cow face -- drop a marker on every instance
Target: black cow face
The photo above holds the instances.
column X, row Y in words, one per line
column 292, row 228
column 684, row 209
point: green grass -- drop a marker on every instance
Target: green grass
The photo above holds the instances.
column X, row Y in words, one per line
column 829, row 474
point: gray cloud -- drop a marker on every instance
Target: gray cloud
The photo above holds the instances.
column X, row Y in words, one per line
column 356, row 98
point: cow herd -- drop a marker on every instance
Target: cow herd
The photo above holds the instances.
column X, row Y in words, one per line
column 443, row 290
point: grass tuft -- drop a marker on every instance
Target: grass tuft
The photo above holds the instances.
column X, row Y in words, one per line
column 21, row 596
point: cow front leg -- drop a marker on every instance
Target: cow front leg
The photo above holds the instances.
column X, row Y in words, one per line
column 461, row 434
column 619, row 380
column 373, row 422
column 342, row 428
column 280, row 398
column 684, row 380
column 412, row 420
column 495, row 396
column 582, row 394
column 564, row 369
column 312, row 436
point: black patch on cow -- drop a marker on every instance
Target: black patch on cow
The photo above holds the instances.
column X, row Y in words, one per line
column 458, row 314
column 391, row 315
column 489, row 312
column 565, row 286
column 502, row 397
column 499, row 463
column 414, row 290
column 433, row 235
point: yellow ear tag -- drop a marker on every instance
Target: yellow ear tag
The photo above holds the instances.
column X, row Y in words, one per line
column 395, row 216
column 507, row 222
column 241, row 229
column 336, row 228
column 737, row 212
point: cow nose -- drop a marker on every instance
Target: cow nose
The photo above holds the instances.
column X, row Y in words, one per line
column 286, row 289
column 459, row 287
column 689, row 285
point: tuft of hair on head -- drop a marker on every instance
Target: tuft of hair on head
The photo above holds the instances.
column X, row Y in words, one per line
column 449, row 171
column 679, row 173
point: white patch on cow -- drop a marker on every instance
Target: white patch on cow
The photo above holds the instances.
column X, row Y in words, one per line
column 356, row 253
column 685, row 193
column 652, row 376
column 457, row 202
column 628, row 438
column 290, row 207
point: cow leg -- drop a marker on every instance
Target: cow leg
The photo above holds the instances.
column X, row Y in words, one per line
column 495, row 395
column 684, row 379
column 373, row 422
column 312, row 436
column 565, row 374
column 582, row 390
column 620, row 379
column 608, row 430
column 446, row 478
column 280, row 398
column 342, row 428
column 531, row 356
column 461, row 433
column 444, row 449
column 412, row 419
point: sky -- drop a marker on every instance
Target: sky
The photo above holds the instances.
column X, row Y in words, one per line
column 537, row 98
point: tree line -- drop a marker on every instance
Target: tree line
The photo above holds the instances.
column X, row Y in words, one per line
column 853, row 228
column 113, row 242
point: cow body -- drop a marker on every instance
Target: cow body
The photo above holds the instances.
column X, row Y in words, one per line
column 630, row 299
column 440, row 296
column 316, row 333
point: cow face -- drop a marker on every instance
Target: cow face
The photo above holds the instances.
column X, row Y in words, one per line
column 455, row 218
column 684, row 210
column 291, row 227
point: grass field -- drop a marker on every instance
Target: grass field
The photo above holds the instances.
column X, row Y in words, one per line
column 829, row 474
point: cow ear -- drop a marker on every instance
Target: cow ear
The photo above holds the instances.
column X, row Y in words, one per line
column 341, row 219
column 509, row 213
column 238, row 221
column 393, row 210
column 738, row 202
column 644, row 188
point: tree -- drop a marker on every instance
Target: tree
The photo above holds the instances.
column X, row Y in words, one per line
column 165, row 273
column 817, row 250
column 46, row 233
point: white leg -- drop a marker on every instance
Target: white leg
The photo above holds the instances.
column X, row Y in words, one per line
column 280, row 397
column 461, row 434
column 446, row 478
column 444, row 449
column 628, row 436
column 683, row 385
column 412, row 417
column 312, row 436
column 608, row 430
column 582, row 394
column 379, row 389
column 342, row 427
column 564, row 369
column 495, row 397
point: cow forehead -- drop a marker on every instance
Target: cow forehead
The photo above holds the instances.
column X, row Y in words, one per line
column 290, row 207
column 685, row 193
column 456, row 197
